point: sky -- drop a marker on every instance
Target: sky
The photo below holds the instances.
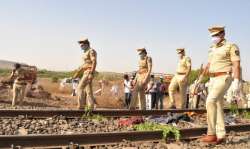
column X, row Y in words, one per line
column 45, row 32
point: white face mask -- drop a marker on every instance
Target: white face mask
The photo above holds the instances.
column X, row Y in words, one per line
column 142, row 56
column 179, row 55
column 216, row 40
column 84, row 48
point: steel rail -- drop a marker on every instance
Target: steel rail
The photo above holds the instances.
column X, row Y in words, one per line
column 103, row 138
column 111, row 113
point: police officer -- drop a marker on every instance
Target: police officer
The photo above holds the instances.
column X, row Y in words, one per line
column 223, row 60
column 141, row 80
column 88, row 67
column 180, row 80
column 19, row 86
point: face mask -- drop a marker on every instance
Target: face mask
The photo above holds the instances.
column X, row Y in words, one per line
column 180, row 55
column 216, row 40
column 142, row 56
column 84, row 48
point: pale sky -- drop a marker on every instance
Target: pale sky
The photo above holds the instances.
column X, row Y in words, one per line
column 45, row 32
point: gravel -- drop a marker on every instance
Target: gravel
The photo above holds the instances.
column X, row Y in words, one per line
column 61, row 125
column 22, row 125
column 57, row 125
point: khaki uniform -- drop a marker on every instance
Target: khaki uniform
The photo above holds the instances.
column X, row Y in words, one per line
column 220, row 59
column 142, row 79
column 19, row 86
column 180, row 81
column 85, row 88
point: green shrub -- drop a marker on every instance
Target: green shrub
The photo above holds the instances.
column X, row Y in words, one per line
column 166, row 129
column 54, row 79
column 194, row 75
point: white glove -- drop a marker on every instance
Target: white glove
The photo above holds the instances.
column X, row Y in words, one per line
column 236, row 86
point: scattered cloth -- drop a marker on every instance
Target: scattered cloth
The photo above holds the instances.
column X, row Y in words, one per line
column 130, row 121
column 230, row 119
column 171, row 118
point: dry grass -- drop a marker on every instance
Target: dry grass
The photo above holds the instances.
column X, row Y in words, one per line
column 53, row 87
column 106, row 100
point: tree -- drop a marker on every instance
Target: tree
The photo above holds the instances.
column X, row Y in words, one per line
column 194, row 75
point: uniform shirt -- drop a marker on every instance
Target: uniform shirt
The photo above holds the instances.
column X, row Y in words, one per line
column 143, row 64
column 183, row 65
column 221, row 57
column 19, row 75
column 88, row 58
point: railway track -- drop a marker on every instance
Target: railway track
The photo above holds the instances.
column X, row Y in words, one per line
column 58, row 141
column 110, row 113
column 102, row 138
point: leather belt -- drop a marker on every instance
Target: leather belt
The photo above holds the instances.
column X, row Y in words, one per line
column 21, row 83
column 216, row 74
column 87, row 68
column 142, row 71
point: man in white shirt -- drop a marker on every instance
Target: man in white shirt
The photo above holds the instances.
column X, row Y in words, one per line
column 127, row 90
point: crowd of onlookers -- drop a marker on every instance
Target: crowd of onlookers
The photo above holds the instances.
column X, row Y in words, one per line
column 157, row 89
column 155, row 92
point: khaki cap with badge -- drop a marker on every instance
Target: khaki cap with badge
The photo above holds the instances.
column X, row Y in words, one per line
column 216, row 29
column 83, row 40
column 141, row 50
column 179, row 50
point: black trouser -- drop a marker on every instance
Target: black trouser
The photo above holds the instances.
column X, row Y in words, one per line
column 127, row 99
column 74, row 92
column 187, row 101
column 198, row 101
column 153, row 100
column 160, row 98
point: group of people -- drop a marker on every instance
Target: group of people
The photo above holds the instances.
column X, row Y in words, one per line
column 154, row 92
column 223, row 68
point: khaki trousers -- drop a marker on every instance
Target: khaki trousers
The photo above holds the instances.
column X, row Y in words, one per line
column 174, row 84
column 139, row 93
column 85, row 90
column 214, row 104
column 18, row 93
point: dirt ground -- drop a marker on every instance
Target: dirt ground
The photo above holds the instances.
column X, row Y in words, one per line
column 61, row 97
